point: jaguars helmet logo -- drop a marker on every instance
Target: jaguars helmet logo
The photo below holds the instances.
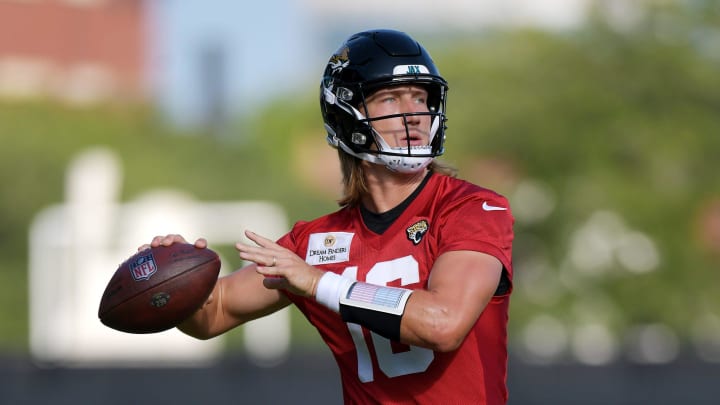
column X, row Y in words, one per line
column 339, row 60
column 416, row 231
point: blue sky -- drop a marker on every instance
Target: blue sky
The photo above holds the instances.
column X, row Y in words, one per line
column 273, row 47
column 263, row 44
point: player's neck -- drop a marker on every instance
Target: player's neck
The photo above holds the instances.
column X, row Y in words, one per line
column 388, row 189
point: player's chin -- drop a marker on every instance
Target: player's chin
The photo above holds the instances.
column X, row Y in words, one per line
column 275, row 282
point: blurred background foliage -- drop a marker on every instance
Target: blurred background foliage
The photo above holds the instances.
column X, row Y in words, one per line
column 604, row 139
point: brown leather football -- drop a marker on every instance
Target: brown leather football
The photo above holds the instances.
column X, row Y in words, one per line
column 158, row 288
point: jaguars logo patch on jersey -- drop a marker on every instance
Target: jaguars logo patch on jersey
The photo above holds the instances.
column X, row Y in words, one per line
column 416, row 231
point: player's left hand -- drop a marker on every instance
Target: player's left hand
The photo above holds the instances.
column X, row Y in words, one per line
column 282, row 268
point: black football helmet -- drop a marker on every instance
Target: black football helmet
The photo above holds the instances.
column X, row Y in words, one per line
column 366, row 62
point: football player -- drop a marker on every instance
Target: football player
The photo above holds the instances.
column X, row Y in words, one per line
column 409, row 281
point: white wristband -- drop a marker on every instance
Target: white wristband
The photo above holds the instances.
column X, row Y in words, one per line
column 331, row 288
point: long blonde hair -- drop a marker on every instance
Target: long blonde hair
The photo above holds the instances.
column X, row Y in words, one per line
column 354, row 179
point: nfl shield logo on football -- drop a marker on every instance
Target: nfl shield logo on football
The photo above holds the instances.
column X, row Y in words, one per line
column 143, row 267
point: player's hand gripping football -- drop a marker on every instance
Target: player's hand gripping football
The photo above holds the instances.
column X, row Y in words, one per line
column 281, row 267
column 168, row 240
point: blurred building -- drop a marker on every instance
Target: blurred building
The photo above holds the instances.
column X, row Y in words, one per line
column 78, row 51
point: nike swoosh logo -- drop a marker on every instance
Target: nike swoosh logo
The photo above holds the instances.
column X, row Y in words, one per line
column 488, row 207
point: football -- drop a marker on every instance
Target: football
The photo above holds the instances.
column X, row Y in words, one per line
column 158, row 288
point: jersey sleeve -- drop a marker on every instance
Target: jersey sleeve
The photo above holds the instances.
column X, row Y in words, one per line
column 482, row 223
column 289, row 240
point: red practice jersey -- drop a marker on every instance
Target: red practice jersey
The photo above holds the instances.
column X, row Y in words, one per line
column 447, row 215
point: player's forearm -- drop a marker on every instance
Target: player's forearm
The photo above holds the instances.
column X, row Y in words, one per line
column 427, row 322
column 203, row 323
column 416, row 317
column 193, row 327
column 413, row 317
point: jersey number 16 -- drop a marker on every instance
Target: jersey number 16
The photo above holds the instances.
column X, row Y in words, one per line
column 415, row 360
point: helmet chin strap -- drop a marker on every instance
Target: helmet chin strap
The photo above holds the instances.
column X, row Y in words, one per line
column 400, row 164
column 405, row 163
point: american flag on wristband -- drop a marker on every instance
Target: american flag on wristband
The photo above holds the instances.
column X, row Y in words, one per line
column 373, row 294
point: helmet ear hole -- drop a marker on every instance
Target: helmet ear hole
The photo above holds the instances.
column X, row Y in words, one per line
column 343, row 93
column 358, row 138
